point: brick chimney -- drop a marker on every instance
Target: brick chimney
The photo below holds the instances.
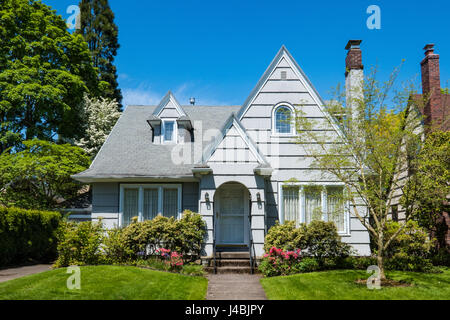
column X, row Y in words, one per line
column 431, row 86
column 354, row 77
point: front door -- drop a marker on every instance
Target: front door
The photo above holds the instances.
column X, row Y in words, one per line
column 232, row 214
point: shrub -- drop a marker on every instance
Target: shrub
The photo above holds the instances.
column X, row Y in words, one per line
column 279, row 262
column 441, row 258
column 285, row 236
column 191, row 231
column 27, row 235
column 308, row 265
column 116, row 247
column 323, row 241
column 411, row 250
column 79, row 244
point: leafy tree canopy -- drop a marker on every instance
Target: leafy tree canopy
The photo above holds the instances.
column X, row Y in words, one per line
column 37, row 176
column 44, row 72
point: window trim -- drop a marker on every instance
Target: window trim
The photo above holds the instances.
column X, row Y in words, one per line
column 274, row 121
column 163, row 131
column 141, row 188
column 302, row 204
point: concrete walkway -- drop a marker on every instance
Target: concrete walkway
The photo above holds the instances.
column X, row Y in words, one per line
column 235, row 287
column 11, row 274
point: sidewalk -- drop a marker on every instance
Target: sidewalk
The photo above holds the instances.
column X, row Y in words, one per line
column 14, row 273
column 235, row 287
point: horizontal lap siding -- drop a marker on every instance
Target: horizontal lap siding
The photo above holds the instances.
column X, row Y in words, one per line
column 105, row 203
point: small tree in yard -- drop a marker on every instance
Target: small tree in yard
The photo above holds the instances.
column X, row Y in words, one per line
column 101, row 115
column 368, row 156
column 35, row 177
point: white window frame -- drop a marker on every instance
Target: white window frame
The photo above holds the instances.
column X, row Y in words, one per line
column 274, row 120
column 175, row 131
column 302, row 204
column 141, row 188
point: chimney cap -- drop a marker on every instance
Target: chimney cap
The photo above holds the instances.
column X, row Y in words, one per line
column 429, row 49
column 353, row 44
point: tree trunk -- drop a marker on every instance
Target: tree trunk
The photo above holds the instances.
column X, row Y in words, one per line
column 380, row 257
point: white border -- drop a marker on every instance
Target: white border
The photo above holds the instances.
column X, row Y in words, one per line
column 293, row 132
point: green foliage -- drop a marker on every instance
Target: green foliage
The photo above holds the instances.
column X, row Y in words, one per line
column 429, row 185
column 285, row 236
column 80, row 244
column 101, row 34
column 411, row 249
column 154, row 263
column 38, row 175
column 320, row 239
column 44, row 72
column 27, row 235
column 89, row 244
column 308, row 265
column 323, row 241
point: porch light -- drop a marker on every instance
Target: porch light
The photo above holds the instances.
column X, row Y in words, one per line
column 207, row 197
column 258, row 197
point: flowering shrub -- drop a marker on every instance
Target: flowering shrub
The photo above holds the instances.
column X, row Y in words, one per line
column 279, row 262
column 172, row 258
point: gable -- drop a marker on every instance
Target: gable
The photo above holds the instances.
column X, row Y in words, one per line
column 234, row 146
column 169, row 108
column 284, row 82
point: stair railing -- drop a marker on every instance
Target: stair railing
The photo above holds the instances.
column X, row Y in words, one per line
column 214, row 243
column 251, row 248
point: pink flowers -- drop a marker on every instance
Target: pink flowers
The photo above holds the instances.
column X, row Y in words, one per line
column 172, row 257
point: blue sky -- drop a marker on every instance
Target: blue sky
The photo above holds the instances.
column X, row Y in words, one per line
column 217, row 50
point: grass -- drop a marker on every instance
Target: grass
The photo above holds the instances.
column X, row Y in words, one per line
column 106, row 283
column 340, row 285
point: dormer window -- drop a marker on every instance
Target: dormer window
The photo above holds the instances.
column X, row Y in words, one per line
column 283, row 120
column 169, row 131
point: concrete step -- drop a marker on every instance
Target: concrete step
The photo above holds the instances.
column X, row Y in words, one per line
column 233, row 255
column 233, row 262
column 230, row 270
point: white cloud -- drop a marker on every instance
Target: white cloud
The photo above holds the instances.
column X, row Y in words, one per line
column 145, row 95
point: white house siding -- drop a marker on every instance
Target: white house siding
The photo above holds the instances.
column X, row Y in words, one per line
column 288, row 158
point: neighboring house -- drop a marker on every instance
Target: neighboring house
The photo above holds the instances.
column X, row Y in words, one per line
column 426, row 112
column 235, row 165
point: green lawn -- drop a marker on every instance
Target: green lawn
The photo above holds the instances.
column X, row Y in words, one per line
column 340, row 285
column 106, row 283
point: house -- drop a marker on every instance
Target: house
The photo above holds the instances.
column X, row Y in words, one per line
column 427, row 112
column 240, row 167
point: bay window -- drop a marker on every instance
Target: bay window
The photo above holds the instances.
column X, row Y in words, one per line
column 147, row 201
column 305, row 203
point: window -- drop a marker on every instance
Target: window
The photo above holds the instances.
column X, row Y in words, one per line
column 304, row 204
column 148, row 201
column 169, row 131
column 283, row 123
column 290, row 204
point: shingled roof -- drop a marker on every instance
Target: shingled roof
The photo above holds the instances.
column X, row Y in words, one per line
column 130, row 153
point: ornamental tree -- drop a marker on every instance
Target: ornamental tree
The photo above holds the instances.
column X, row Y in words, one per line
column 100, row 114
column 369, row 155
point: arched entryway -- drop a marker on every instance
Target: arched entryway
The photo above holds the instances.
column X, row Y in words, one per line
column 232, row 209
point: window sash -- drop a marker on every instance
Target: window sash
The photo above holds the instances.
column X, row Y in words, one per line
column 283, row 121
column 325, row 203
column 148, row 201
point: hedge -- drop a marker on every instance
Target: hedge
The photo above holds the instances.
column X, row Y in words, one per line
column 27, row 235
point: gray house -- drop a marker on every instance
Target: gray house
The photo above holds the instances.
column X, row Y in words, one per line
column 235, row 165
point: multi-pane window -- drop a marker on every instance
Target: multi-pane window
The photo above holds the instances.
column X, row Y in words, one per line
column 148, row 201
column 309, row 203
column 283, row 120
column 169, row 131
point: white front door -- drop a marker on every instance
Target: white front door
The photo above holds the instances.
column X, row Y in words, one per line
column 232, row 214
